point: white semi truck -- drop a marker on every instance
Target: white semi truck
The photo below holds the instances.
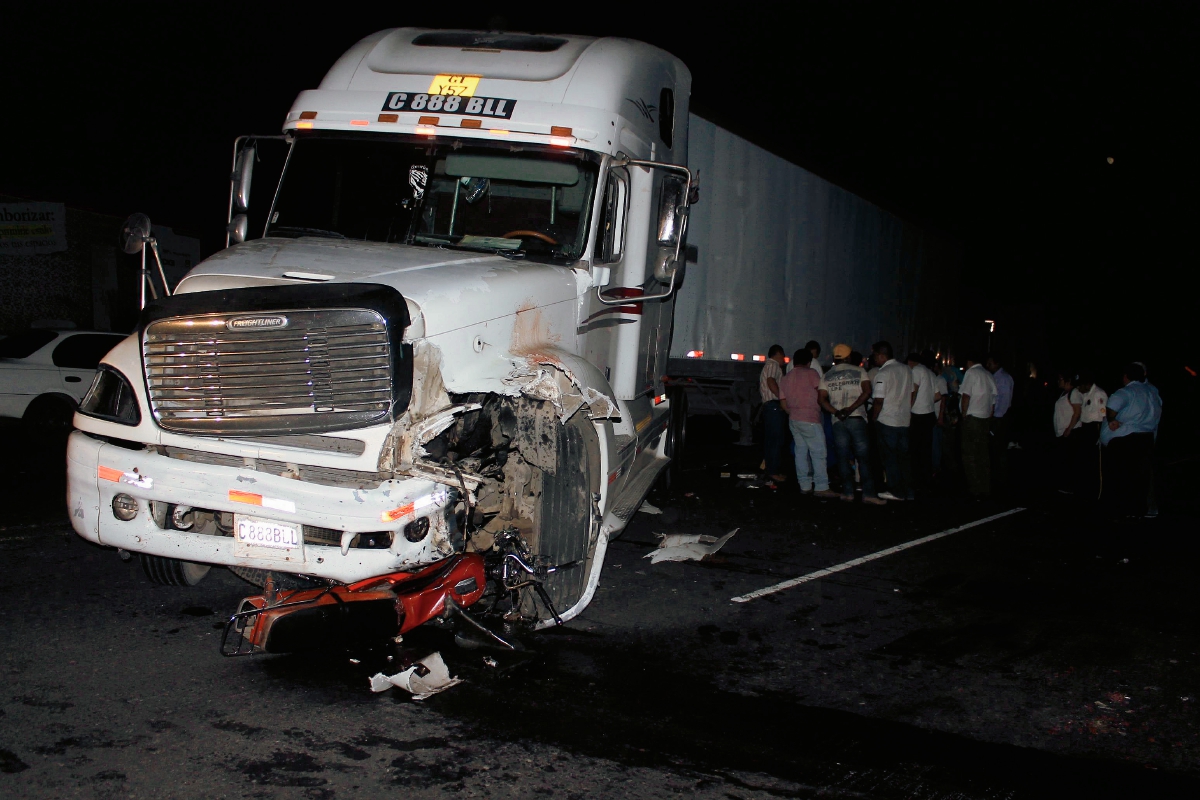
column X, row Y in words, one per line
column 452, row 331
column 455, row 333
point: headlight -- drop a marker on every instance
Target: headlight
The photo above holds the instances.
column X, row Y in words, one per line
column 111, row 397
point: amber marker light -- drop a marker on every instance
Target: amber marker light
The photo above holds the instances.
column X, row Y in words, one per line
column 389, row 117
column 498, row 131
column 471, row 123
column 560, row 136
column 360, row 122
column 304, row 125
column 308, row 115
column 398, row 513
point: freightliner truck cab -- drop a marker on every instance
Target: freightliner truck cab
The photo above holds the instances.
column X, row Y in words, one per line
column 450, row 336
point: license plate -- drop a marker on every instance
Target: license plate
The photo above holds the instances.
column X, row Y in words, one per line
column 458, row 85
column 265, row 533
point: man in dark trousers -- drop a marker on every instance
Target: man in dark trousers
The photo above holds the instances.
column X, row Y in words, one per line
column 978, row 394
column 775, row 419
column 1134, row 412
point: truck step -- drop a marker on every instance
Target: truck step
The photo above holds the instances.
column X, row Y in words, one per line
column 638, row 485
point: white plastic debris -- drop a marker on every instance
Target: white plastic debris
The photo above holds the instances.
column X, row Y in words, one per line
column 649, row 508
column 436, row 678
column 687, row 547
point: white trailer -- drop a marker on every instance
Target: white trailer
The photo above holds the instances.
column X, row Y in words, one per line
column 782, row 256
column 454, row 327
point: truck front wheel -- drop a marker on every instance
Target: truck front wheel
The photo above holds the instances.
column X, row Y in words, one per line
column 172, row 571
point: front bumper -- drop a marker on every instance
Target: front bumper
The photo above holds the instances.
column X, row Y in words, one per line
column 97, row 471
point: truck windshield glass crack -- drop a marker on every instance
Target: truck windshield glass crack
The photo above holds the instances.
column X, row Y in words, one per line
column 534, row 202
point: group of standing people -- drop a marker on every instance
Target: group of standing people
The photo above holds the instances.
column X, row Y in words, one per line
column 1106, row 444
column 886, row 421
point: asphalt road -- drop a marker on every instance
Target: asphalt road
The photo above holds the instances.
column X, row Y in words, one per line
column 1046, row 653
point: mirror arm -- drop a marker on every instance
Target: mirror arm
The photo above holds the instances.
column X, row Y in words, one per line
column 237, row 146
column 641, row 299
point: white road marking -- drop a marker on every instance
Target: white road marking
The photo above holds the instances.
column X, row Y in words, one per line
column 821, row 573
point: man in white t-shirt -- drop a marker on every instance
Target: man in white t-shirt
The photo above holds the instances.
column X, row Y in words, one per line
column 843, row 392
column 775, row 419
column 978, row 393
column 1092, row 402
column 920, row 429
column 891, row 413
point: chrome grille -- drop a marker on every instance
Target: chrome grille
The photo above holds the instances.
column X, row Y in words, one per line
column 247, row 374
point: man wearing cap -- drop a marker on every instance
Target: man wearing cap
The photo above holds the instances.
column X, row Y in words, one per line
column 892, row 412
column 844, row 392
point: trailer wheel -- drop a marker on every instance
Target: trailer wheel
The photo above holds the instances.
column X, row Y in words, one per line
column 172, row 571
column 676, row 434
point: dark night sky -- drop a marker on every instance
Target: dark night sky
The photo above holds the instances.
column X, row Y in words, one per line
column 990, row 124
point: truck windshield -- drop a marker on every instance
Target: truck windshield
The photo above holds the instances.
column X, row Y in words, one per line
column 519, row 200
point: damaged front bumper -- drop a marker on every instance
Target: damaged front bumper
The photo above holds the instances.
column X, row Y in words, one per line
column 98, row 471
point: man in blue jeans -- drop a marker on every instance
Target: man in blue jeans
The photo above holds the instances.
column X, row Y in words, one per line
column 843, row 392
column 798, row 396
column 774, row 417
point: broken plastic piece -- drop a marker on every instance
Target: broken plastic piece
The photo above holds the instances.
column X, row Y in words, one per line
column 423, row 679
column 649, row 508
column 688, row 547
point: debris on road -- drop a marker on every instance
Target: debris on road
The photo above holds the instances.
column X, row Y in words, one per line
column 687, row 547
column 423, row 679
column 649, row 508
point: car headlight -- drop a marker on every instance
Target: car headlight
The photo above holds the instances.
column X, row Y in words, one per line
column 111, row 397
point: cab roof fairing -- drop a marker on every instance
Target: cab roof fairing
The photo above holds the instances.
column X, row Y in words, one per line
column 596, row 86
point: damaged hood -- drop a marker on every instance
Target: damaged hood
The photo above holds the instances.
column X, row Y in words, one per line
column 452, row 288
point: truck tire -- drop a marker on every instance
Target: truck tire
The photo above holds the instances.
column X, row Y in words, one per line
column 566, row 513
column 676, row 434
column 172, row 571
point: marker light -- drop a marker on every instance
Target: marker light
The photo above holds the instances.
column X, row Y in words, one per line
column 498, row 131
column 471, row 123
column 428, row 121
column 695, row 354
column 389, row 117
column 738, row 356
column 359, row 122
column 305, row 125
column 662, row 398
column 308, row 115
column 560, row 136
column 426, row 130
column 787, row 360
column 757, row 357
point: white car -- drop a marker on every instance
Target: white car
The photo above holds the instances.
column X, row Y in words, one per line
column 45, row 373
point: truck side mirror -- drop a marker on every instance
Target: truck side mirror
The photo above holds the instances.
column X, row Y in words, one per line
column 237, row 228
column 243, row 174
column 672, row 227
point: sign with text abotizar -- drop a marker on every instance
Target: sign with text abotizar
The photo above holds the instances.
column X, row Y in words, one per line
column 32, row 228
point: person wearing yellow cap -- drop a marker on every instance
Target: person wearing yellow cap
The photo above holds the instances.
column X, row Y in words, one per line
column 844, row 392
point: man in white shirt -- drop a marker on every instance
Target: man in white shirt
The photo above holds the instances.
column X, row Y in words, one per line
column 978, row 393
column 925, row 396
column 1092, row 402
column 891, row 413
column 998, row 425
column 775, row 419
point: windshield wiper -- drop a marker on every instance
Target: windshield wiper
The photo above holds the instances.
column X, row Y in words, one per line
column 309, row 231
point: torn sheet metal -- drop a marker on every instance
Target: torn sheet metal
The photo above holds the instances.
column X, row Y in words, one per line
column 423, row 679
column 687, row 547
column 551, row 380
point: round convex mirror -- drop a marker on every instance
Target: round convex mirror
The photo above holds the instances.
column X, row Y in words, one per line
column 134, row 233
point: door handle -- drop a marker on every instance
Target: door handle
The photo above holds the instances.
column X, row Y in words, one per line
column 72, row 379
